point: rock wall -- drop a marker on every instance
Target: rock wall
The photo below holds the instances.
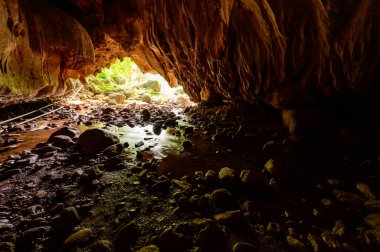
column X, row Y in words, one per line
column 286, row 53
column 40, row 47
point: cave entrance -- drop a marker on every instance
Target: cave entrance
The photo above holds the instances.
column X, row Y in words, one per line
column 123, row 82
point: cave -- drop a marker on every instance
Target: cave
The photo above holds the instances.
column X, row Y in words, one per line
column 271, row 144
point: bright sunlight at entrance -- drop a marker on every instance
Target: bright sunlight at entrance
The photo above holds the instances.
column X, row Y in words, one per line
column 123, row 82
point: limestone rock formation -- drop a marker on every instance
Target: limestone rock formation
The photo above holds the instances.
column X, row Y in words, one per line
column 286, row 53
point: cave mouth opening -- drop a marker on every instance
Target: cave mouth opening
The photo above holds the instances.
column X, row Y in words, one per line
column 123, row 82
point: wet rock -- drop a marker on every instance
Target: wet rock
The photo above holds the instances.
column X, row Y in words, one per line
column 126, row 236
column 77, row 237
column 119, row 98
column 244, row 247
column 366, row 191
column 274, row 168
column 372, row 205
column 93, row 141
column 227, row 176
column 295, row 244
column 63, row 142
column 372, row 220
column 71, row 132
column 372, row 238
column 347, row 197
column 150, row 248
column 102, row 246
column 169, row 240
column 139, row 144
column 222, row 198
column 108, row 111
column 211, row 238
column 114, row 164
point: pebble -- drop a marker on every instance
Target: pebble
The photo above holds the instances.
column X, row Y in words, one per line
column 169, row 241
column 41, row 194
column 366, row 191
column 372, row 220
column 229, row 218
column 222, row 198
column 211, row 238
column 150, row 248
column 243, row 247
column 274, row 228
column 295, row 244
column 372, row 205
column 227, row 175
column 102, row 246
column 77, row 237
column 126, row 236
column 347, row 197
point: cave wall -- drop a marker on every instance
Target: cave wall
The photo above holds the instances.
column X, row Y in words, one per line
column 40, row 47
column 286, row 53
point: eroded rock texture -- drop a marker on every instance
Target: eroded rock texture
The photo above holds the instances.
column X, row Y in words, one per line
column 284, row 52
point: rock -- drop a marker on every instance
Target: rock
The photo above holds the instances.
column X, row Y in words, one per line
column 252, row 178
column 68, row 219
column 139, row 144
column 347, row 197
column 153, row 85
column 222, row 198
column 366, row 191
column 330, row 240
column 244, row 247
column 274, row 228
column 372, row 238
column 316, row 243
column 26, row 239
column 227, row 175
column 145, row 114
column 102, row 246
column 119, row 98
column 7, row 246
column 187, row 145
column 372, row 220
column 146, row 98
column 41, row 194
column 372, row 205
column 295, row 244
column 126, row 237
column 157, row 128
column 211, row 238
column 211, row 177
column 273, row 167
column 340, row 228
column 189, row 130
column 93, row 141
column 71, row 132
column 63, row 142
column 230, row 218
column 150, row 248
column 169, row 241
column 5, row 226
column 77, row 237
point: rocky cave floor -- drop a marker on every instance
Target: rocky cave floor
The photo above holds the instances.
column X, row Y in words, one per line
column 226, row 178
